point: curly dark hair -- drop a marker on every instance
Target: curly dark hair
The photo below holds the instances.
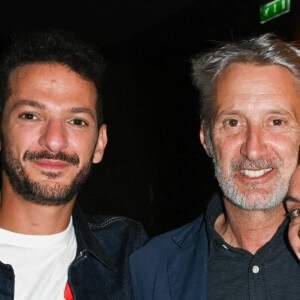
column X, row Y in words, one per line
column 52, row 47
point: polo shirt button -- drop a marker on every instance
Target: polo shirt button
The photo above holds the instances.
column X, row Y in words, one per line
column 255, row 269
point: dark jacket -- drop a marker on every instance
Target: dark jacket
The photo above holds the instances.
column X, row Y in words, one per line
column 172, row 266
column 101, row 267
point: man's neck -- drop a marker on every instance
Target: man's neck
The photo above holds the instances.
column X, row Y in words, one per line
column 21, row 216
column 249, row 230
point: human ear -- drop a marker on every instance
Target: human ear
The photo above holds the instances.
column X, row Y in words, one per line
column 101, row 144
column 203, row 140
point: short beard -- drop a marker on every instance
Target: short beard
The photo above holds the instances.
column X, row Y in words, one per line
column 38, row 193
column 252, row 201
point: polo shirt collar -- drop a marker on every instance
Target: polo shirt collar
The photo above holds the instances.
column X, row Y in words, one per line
column 216, row 207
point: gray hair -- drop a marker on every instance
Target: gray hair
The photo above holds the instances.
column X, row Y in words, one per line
column 266, row 49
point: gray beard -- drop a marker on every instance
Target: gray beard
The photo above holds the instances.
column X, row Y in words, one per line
column 252, row 201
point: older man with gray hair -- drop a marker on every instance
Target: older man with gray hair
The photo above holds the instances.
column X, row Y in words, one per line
column 250, row 127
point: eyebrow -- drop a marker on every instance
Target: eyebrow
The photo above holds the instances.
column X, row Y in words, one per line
column 280, row 112
column 42, row 106
column 29, row 103
column 291, row 199
column 238, row 112
column 78, row 110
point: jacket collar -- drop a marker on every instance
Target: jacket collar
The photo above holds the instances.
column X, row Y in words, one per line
column 189, row 233
column 187, row 267
column 86, row 241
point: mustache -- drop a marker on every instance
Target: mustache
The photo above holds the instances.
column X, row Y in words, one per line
column 244, row 163
column 33, row 155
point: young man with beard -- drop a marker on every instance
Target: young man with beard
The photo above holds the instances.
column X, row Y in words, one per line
column 51, row 133
column 250, row 127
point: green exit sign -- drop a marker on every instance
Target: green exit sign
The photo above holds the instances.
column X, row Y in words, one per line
column 274, row 9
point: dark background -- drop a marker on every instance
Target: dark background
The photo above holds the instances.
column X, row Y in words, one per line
column 154, row 169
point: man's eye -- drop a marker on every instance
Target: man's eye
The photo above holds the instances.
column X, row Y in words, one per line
column 277, row 122
column 294, row 214
column 232, row 122
column 28, row 116
column 78, row 122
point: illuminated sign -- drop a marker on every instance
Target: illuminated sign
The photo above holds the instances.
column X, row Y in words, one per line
column 274, row 9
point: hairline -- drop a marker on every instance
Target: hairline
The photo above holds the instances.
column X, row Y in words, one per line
column 54, row 63
column 207, row 122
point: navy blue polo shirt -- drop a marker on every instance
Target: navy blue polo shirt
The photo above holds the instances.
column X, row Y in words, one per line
column 236, row 274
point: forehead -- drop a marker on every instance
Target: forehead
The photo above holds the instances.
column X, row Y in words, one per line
column 242, row 83
column 50, row 81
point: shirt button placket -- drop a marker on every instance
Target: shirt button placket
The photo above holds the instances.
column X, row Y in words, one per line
column 255, row 269
column 254, row 279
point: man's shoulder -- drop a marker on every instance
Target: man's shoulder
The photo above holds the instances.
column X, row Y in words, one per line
column 117, row 228
column 167, row 243
column 104, row 222
column 170, row 257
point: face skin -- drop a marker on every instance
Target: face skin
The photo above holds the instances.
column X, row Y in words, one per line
column 49, row 134
column 293, row 208
column 255, row 134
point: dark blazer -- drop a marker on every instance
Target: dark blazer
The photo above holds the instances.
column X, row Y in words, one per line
column 172, row 266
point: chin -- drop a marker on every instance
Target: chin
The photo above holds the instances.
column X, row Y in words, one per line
column 255, row 200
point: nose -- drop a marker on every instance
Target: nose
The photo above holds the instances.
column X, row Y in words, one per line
column 53, row 137
column 254, row 145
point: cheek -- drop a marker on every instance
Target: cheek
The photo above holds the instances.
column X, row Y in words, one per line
column 82, row 145
column 285, row 143
column 287, row 151
column 294, row 238
column 17, row 144
column 24, row 141
column 22, row 136
column 227, row 148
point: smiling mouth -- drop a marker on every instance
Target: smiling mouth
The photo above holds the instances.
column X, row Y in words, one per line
column 255, row 173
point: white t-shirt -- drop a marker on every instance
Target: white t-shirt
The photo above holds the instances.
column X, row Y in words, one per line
column 40, row 262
